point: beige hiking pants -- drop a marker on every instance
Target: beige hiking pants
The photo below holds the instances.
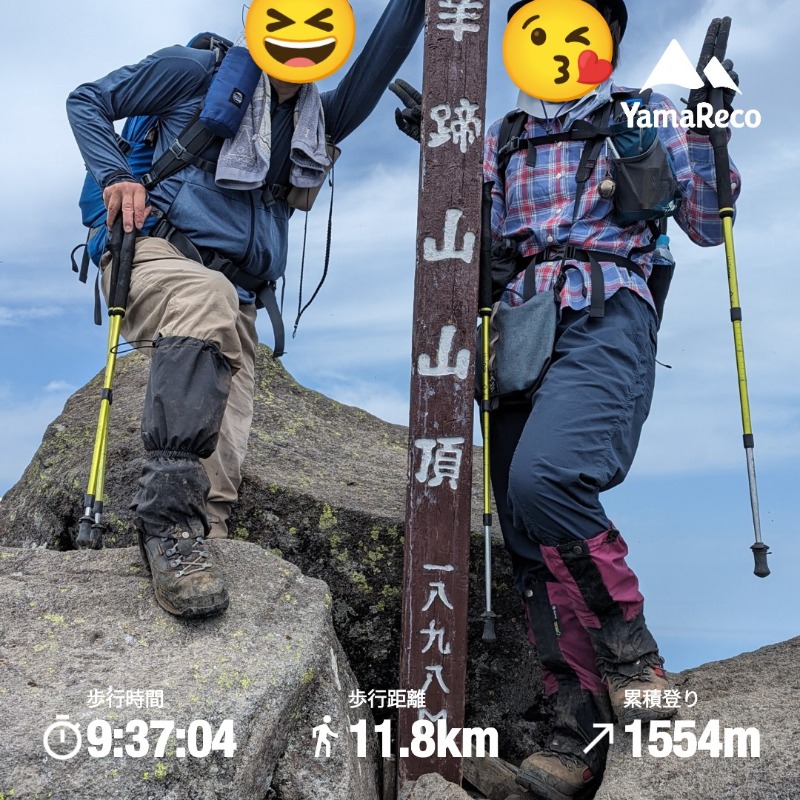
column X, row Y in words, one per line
column 172, row 295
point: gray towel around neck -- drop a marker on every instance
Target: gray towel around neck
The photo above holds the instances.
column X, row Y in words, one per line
column 244, row 160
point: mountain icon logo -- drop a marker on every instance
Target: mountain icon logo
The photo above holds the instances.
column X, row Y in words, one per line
column 675, row 68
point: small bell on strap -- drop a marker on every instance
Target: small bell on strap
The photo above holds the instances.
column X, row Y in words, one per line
column 607, row 187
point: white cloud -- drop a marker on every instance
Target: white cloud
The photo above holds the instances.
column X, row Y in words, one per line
column 391, row 406
column 62, row 387
column 19, row 316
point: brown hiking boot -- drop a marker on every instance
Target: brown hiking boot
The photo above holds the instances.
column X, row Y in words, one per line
column 186, row 582
column 637, row 692
column 554, row 776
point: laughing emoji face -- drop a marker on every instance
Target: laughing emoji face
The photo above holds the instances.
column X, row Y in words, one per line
column 557, row 50
column 300, row 41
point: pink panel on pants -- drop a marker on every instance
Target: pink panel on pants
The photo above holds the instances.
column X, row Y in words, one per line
column 608, row 555
column 573, row 643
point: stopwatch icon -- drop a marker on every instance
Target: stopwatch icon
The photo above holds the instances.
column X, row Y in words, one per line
column 58, row 730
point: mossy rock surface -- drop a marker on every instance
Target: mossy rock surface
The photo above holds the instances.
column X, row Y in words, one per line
column 81, row 636
column 324, row 487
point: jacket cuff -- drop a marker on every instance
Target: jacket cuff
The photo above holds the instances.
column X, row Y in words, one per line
column 120, row 176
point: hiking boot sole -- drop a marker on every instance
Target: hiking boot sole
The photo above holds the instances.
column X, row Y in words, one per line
column 542, row 788
column 193, row 612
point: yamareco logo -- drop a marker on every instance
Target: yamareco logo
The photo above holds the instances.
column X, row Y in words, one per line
column 675, row 68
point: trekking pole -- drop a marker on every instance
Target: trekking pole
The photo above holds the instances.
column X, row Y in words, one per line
column 485, row 311
column 719, row 141
column 121, row 245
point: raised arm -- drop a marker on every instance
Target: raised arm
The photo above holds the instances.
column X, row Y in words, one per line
column 357, row 94
column 693, row 161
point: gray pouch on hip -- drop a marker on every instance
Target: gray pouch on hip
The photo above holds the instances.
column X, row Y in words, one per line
column 522, row 340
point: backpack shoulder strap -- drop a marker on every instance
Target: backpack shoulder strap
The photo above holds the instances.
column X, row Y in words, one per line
column 194, row 138
column 508, row 141
column 590, row 152
column 219, row 45
column 185, row 150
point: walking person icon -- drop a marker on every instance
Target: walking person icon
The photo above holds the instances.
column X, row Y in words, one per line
column 321, row 734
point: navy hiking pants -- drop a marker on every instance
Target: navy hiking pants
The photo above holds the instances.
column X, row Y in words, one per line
column 552, row 458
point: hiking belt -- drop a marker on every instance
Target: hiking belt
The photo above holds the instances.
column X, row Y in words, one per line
column 264, row 290
column 593, row 258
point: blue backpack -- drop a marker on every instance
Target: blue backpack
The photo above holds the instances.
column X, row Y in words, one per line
column 227, row 99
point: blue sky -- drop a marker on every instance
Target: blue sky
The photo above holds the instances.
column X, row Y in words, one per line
column 684, row 509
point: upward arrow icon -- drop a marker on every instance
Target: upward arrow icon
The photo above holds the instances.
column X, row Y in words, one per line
column 607, row 728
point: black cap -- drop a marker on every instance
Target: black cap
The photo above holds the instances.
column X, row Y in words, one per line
column 615, row 7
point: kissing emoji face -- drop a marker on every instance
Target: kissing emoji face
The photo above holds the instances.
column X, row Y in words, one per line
column 300, row 41
column 557, row 50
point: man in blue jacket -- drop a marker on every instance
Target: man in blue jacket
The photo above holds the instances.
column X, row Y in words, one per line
column 199, row 401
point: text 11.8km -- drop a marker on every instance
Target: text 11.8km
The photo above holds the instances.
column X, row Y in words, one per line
column 429, row 740
column 684, row 743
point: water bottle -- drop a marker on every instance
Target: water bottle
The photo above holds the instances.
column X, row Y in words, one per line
column 662, row 256
column 661, row 277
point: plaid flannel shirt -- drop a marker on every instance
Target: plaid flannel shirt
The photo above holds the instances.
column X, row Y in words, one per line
column 535, row 208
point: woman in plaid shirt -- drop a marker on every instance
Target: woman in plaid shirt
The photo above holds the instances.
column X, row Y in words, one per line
column 553, row 454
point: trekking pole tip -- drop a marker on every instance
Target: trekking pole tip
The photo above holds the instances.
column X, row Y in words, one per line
column 488, row 627
column 760, row 552
column 84, row 540
column 97, row 536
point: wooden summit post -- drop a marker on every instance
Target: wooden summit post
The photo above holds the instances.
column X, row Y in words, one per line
column 434, row 637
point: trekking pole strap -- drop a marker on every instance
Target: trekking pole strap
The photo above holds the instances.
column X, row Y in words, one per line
column 83, row 270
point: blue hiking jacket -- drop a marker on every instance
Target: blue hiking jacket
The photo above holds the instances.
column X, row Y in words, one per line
column 172, row 83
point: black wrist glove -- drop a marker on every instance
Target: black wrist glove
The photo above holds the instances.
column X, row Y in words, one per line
column 715, row 46
column 409, row 119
